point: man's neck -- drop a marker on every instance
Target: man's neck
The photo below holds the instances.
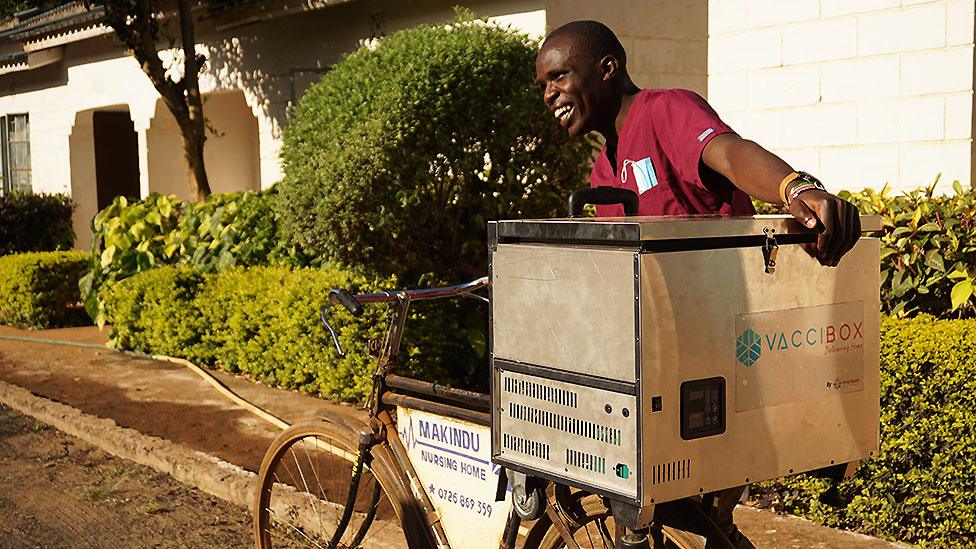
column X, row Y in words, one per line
column 626, row 99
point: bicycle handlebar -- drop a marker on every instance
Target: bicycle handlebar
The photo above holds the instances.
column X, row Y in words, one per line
column 354, row 303
column 341, row 295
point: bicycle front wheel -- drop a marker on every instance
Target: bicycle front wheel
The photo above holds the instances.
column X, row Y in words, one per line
column 592, row 526
column 308, row 479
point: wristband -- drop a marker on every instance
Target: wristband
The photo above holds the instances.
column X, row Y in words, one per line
column 786, row 181
column 803, row 182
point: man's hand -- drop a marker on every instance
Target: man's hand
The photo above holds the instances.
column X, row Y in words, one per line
column 837, row 220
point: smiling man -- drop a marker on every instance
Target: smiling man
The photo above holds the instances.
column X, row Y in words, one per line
column 670, row 146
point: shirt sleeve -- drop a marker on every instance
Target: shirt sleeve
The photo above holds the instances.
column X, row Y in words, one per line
column 685, row 123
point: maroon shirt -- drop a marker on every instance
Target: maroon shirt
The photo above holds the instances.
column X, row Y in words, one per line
column 659, row 156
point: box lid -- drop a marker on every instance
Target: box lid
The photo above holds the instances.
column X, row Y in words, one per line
column 635, row 230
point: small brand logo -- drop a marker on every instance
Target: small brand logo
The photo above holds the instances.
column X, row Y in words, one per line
column 704, row 134
column 748, row 347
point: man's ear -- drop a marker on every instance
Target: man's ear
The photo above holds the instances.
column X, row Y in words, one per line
column 609, row 68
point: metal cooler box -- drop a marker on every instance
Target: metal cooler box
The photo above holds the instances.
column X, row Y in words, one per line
column 649, row 359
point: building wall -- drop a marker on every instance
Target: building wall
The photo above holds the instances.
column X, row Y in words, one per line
column 666, row 40
column 254, row 73
column 862, row 93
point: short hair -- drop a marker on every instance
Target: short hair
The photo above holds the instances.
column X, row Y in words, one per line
column 595, row 37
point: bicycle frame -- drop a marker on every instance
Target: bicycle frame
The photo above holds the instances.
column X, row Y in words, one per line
column 390, row 390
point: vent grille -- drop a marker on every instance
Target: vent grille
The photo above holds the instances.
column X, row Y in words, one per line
column 539, row 391
column 671, row 471
column 579, row 427
column 524, row 446
column 586, row 461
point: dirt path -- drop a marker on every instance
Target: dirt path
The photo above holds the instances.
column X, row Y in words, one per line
column 57, row 491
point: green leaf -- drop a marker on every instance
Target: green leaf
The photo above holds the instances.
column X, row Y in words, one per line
column 959, row 273
column 108, row 256
column 961, row 293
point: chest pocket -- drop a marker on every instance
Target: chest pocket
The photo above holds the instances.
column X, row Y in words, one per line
column 644, row 175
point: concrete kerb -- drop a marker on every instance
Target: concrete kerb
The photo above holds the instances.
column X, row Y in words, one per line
column 214, row 476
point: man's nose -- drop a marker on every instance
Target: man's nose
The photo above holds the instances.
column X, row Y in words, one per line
column 550, row 93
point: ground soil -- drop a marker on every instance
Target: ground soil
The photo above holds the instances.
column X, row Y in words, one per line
column 58, row 491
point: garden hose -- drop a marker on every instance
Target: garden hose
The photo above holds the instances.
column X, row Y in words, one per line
column 207, row 376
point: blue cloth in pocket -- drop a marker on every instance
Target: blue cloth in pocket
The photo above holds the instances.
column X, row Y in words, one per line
column 644, row 174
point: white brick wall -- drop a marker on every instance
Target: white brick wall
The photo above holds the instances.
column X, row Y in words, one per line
column 764, row 13
column 820, row 41
column 902, row 30
column 784, row 87
column 865, row 91
column 860, row 79
column 752, row 49
column 937, row 72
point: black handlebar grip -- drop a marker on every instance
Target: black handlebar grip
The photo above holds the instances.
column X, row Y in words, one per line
column 347, row 300
column 603, row 196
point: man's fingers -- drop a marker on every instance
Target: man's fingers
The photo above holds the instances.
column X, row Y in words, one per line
column 803, row 214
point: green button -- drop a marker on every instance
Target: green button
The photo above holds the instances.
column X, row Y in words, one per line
column 622, row 470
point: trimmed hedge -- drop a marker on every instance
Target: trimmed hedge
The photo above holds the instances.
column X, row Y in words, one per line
column 40, row 289
column 35, row 223
column 264, row 322
column 922, row 487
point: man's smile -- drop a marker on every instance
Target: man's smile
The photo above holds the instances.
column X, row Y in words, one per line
column 563, row 114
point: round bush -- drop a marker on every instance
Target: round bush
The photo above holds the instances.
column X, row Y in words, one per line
column 398, row 157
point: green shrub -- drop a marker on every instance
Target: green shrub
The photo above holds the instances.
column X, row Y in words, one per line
column 40, row 289
column 155, row 312
column 922, row 487
column 263, row 322
column 928, row 249
column 398, row 157
column 233, row 229
column 35, row 223
column 128, row 238
column 223, row 231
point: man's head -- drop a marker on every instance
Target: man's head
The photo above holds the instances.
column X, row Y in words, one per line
column 581, row 68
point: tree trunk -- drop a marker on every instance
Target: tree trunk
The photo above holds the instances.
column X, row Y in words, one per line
column 195, row 170
column 195, row 131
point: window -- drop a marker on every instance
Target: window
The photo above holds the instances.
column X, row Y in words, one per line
column 15, row 144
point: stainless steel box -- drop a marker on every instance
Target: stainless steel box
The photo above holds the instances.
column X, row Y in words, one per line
column 650, row 359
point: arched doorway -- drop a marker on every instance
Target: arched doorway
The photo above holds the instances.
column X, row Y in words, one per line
column 231, row 153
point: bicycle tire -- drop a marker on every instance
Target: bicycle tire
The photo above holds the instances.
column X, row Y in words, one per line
column 287, row 506
column 592, row 526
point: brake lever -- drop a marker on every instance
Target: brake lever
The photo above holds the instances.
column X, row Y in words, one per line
column 332, row 332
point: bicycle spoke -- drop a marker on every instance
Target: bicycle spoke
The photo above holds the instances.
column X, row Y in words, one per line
column 297, row 529
column 311, row 499
column 318, row 515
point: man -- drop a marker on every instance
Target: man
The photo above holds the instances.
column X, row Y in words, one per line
column 671, row 148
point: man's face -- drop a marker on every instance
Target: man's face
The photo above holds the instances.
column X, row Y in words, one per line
column 571, row 84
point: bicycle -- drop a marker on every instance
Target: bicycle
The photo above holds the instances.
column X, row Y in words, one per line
column 372, row 485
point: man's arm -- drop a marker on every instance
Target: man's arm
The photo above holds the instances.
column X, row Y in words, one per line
column 758, row 173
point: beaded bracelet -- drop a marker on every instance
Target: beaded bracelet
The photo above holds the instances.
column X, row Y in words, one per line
column 805, row 182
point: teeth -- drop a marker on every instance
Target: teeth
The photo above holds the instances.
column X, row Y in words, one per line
column 563, row 111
